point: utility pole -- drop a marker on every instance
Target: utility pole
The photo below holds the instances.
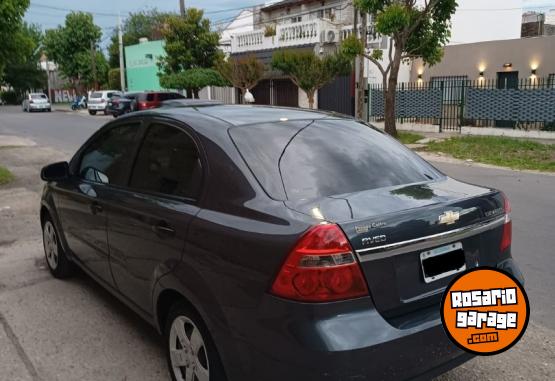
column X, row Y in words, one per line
column 357, row 58
column 182, row 7
column 361, row 86
column 93, row 63
column 121, row 58
column 48, row 80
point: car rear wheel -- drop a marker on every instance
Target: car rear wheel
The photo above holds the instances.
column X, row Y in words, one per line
column 191, row 353
column 56, row 259
column 92, row 112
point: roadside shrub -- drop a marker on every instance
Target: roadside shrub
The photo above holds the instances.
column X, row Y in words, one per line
column 11, row 97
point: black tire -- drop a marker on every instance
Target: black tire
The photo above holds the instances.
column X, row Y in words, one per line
column 63, row 267
column 179, row 310
column 49, row 110
column 91, row 112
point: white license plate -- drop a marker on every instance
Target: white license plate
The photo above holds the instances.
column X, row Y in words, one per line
column 442, row 262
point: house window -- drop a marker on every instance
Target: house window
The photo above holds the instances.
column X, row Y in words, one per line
column 452, row 87
column 551, row 81
column 296, row 19
column 327, row 13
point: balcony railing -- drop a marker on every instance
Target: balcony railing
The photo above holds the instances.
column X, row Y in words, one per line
column 287, row 35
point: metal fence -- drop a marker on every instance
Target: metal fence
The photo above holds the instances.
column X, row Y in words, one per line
column 453, row 102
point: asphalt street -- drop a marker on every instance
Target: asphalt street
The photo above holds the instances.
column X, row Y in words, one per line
column 74, row 330
column 64, row 131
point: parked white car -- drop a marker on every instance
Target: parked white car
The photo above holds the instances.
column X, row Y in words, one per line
column 98, row 101
column 36, row 102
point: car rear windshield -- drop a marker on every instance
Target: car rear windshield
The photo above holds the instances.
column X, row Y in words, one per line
column 96, row 95
column 309, row 159
column 38, row 96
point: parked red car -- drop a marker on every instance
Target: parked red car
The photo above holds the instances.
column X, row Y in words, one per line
column 149, row 100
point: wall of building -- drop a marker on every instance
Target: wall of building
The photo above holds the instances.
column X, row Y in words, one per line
column 141, row 62
column 242, row 23
column 474, row 21
column 491, row 20
column 469, row 59
column 342, row 11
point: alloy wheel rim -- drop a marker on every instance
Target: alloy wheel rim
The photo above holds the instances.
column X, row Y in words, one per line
column 50, row 241
column 188, row 355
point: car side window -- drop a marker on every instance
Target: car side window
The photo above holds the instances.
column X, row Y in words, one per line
column 107, row 159
column 168, row 163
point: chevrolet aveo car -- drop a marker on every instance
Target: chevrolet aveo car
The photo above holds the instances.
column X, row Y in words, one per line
column 273, row 243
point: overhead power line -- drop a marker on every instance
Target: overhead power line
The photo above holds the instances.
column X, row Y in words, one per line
column 107, row 14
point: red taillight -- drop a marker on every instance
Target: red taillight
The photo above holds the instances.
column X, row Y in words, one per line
column 321, row 268
column 507, row 236
column 143, row 105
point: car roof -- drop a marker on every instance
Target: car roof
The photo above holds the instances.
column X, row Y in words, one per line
column 237, row 115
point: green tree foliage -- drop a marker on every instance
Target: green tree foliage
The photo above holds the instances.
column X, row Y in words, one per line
column 417, row 30
column 114, row 81
column 243, row 73
column 190, row 45
column 22, row 71
column 86, row 70
column 11, row 14
column 192, row 79
column 309, row 71
column 147, row 24
column 70, row 47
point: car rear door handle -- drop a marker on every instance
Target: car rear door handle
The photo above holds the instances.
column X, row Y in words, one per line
column 163, row 228
column 96, row 208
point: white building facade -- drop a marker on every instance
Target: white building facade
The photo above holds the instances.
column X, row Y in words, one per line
column 321, row 25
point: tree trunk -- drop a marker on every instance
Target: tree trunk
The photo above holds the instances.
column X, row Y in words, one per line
column 361, row 85
column 390, row 92
column 310, row 96
column 195, row 93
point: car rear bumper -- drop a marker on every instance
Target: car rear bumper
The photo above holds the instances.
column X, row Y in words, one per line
column 296, row 341
column 97, row 107
column 40, row 106
column 347, row 340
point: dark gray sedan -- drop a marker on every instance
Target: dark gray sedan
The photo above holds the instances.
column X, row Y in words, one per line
column 272, row 243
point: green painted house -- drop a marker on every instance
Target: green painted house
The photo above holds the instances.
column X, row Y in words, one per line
column 141, row 63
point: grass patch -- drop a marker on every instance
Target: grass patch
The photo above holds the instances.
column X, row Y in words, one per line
column 501, row 151
column 5, row 175
column 408, row 137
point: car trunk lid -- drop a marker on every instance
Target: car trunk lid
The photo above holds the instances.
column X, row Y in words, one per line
column 411, row 240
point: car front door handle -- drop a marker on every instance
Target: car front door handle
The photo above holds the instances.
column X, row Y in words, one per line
column 96, row 208
column 164, row 229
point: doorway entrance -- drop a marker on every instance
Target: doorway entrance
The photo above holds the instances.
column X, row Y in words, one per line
column 507, row 80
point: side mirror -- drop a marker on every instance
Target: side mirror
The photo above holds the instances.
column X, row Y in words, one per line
column 55, row 172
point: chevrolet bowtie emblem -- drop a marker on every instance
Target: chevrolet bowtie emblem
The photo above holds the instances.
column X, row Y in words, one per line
column 449, row 217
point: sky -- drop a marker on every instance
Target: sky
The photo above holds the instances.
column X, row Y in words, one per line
column 50, row 13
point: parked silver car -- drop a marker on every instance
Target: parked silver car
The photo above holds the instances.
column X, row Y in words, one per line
column 98, row 101
column 36, row 102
